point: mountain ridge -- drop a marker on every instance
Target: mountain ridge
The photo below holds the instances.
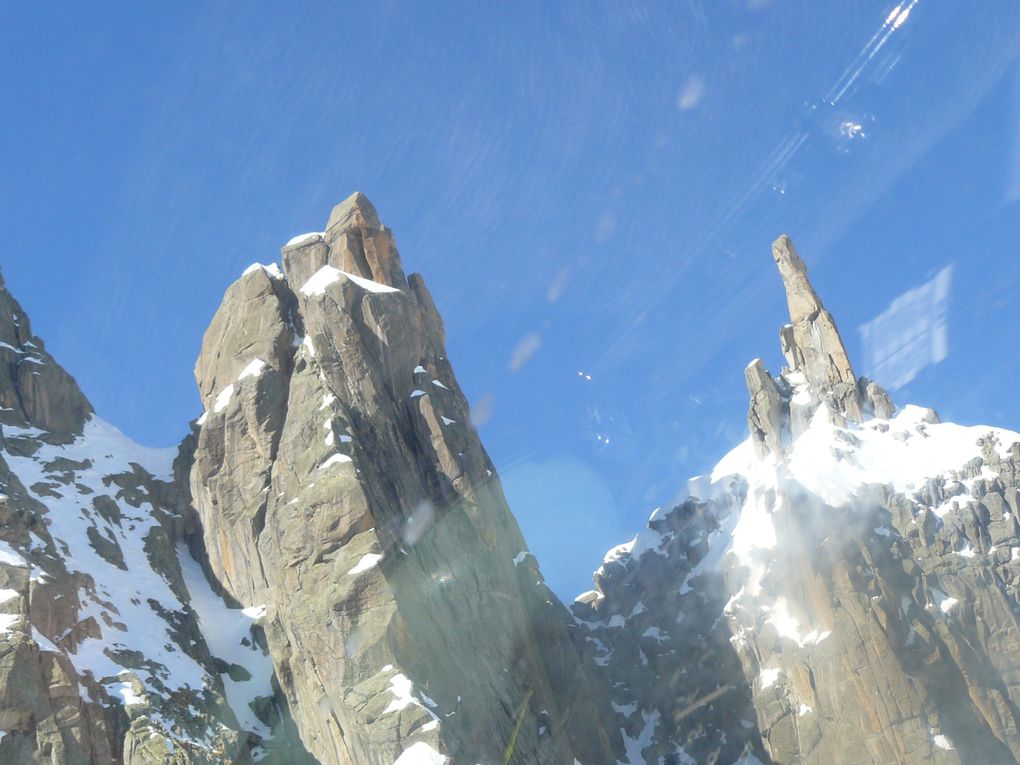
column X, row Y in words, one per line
column 326, row 570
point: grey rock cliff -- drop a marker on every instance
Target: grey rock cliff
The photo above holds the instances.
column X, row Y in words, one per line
column 341, row 485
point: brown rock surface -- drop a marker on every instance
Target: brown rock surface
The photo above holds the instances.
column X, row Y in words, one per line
column 34, row 390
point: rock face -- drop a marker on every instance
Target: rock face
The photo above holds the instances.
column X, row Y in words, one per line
column 654, row 623
column 343, row 490
column 812, row 344
column 860, row 566
column 818, row 367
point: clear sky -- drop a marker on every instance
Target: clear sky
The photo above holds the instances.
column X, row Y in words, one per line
column 589, row 188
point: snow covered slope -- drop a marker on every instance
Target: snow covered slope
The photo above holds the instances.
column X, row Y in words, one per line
column 105, row 590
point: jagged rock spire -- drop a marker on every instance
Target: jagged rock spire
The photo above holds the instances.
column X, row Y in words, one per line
column 767, row 415
column 813, row 345
column 820, row 370
column 354, row 241
column 340, row 482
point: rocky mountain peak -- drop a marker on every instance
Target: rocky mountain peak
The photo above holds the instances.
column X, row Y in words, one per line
column 819, row 372
column 842, row 587
column 342, row 488
column 354, row 241
column 354, row 212
column 326, row 572
column 381, row 596
column 812, row 345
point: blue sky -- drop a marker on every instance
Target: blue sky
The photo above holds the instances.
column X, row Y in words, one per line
column 597, row 181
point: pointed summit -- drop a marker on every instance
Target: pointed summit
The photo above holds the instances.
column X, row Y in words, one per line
column 354, row 241
column 814, row 346
column 820, row 371
column 338, row 480
column 354, row 212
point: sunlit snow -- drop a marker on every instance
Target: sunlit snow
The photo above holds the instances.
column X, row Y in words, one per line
column 327, row 275
column 367, row 561
column 905, row 457
column 142, row 593
column 226, row 630
column 336, row 459
column 223, row 398
column 7, row 621
column 272, row 269
column 768, row 677
column 421, row 753
column 301, row 238
column 254, row 369
column 401, row 688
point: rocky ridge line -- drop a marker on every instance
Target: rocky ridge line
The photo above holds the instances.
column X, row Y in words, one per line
column 374, row 600
column 843, row 587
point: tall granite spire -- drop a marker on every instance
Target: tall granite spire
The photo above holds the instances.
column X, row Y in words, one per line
column 342, row 486
column 819, row 373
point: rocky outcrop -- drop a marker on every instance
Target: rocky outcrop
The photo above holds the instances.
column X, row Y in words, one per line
column 654, row 626
column 768, row 417
column 812, row 344
column 871, row 639
column 343, row 491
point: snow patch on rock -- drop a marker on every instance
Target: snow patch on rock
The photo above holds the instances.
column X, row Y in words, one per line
column 327, row 275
